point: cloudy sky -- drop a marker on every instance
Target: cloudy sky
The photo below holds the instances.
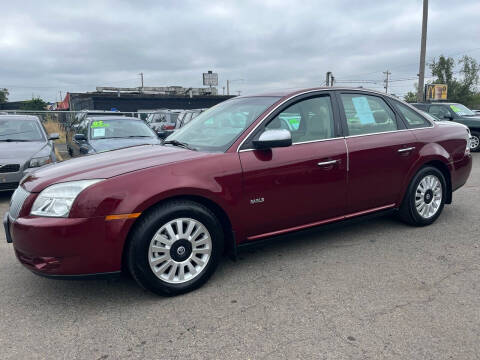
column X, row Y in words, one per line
column 48, row 47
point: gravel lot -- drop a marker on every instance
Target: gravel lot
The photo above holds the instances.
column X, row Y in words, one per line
column 373, row 290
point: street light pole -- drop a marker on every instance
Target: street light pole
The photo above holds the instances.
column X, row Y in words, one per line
column 421, row 72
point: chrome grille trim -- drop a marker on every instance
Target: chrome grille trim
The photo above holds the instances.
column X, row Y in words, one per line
column 16, row 203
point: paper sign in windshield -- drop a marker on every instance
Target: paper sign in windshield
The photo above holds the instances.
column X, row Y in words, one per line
column 99, row 132
column 363, row 110
column 99, row 124
column 457, row 110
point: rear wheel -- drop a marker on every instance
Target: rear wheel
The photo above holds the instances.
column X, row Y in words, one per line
column 475, row 141
column 175, row 248
column 425, row 197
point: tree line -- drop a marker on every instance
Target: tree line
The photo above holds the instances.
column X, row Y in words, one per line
column 462, row 89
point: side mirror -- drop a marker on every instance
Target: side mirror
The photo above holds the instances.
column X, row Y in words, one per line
column 53, row 136
column 448, row 117
column 83, row 149
column 80, row 137
column 273, row 138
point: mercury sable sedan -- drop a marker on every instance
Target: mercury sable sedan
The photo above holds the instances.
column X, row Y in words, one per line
column 250, row 168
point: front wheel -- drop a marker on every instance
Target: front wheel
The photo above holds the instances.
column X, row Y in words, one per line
column 425, row 197
column 175, row 248
column 475, row 141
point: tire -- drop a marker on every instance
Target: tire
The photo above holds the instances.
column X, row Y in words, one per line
column 428, row 187
column 155, row 252
column 475, row 142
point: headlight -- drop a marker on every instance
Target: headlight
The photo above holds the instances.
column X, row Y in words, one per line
column 39, row 161
column 56, row 200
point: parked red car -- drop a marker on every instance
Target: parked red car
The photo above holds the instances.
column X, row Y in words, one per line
column 250, row 168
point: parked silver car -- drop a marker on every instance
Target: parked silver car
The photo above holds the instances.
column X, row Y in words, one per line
column 24, row 145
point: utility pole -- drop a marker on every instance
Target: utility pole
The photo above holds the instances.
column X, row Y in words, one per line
column 387, row 73
column 223, row 90
column 141, row 78
column 327, row 79
column 423, row 46
column 228, row 84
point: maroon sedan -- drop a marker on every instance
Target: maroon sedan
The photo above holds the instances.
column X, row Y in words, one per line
column 250, row 168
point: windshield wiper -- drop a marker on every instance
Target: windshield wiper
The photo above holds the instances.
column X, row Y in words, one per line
column 13, row 140
column 179, row 143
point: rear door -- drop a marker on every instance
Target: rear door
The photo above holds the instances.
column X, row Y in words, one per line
column 381, row 151
column 301, row 184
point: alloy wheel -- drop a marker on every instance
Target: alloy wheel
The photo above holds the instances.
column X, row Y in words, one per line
column 474, row 142
column 428, row 196
column 180, row 250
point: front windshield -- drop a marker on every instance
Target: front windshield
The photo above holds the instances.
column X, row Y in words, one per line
column 462, row 110
column 217, row 128
column 119, row 128
column 20, row 130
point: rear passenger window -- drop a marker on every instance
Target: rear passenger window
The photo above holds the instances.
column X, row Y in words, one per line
column 307, row 120
column 414, row 120
column 367, row 114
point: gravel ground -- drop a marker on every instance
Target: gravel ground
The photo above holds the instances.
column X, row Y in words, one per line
column 374, row 290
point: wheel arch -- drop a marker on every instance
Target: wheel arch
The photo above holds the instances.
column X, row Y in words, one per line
column 219, row 212
column 441, row 165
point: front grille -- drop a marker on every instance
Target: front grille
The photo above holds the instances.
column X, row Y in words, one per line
column 16, row 203
column 8, row 186
column 9, row 168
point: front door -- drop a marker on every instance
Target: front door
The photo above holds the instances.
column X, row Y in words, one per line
column 298, row 185
column 381, row 152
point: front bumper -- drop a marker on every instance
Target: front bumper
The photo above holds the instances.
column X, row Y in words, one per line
column 10, row 181
column 67, row 246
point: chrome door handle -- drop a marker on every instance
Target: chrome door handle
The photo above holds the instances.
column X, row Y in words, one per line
column 326, row 163
column 406, row 149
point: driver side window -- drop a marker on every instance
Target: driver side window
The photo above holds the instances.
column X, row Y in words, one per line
column 307, row 120
column 439, row 111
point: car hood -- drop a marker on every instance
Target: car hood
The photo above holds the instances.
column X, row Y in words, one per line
column 17, row 152
column 102, row 145
column 476, row 118
column 108, row 164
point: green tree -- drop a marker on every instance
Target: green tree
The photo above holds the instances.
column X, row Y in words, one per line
column 410, row 97
column 3, row 96
column 34, row 104
column 463, row 89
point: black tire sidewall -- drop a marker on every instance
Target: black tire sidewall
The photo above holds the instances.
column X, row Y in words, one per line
column 142, row 235
column 416, row 217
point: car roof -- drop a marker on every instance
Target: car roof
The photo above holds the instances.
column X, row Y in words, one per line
column 297, row 91
column 19, row 117
column 118, row 117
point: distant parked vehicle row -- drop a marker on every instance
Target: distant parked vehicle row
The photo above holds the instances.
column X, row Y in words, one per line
column 458, row 113
column 166, row 121
column 24, row 145
column 103, row 133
